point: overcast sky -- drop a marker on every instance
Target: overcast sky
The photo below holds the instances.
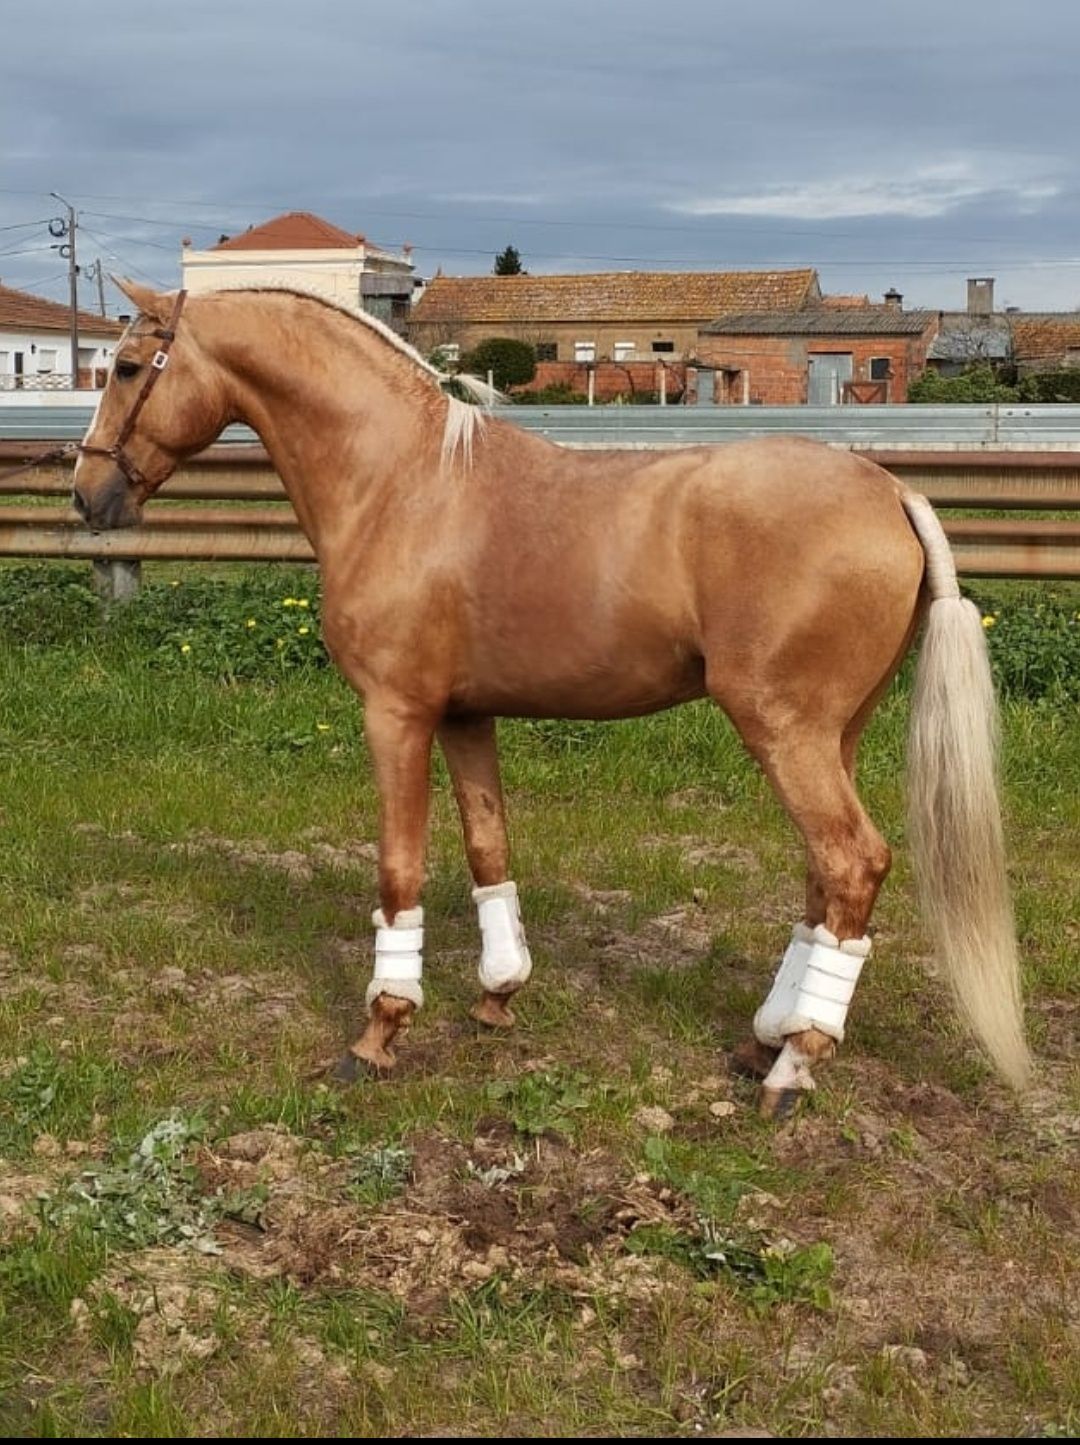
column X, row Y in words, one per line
column 907, row 145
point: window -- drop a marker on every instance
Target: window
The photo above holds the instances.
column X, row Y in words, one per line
column 623, row 351
column 46, row 360
column 584, row 350
column 880, row 370
column 547, row 351
column 662, row 347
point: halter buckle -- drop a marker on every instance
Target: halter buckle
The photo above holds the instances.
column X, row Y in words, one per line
column 160, row 360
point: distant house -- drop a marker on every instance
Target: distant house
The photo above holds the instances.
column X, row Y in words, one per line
column 845, row 350
column 301, row 249
column 619, row 317
column 1046, row 341
column 35, row 344
column 979, row 336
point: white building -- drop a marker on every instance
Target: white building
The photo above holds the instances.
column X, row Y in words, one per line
column 299, row 249
column 35, row 344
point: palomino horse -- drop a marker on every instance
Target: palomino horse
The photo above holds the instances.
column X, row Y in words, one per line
column 471, row 571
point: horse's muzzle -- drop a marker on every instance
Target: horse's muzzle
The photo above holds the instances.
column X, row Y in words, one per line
column 107, row 507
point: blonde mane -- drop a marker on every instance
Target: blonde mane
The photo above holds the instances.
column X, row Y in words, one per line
column 464, row 422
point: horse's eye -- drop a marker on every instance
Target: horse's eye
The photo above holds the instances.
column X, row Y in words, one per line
column 125, row 370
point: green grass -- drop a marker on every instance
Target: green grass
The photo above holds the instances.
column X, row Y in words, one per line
column 499, row 1241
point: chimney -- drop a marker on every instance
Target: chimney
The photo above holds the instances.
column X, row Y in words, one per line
column 980, row 296
column 894, row 299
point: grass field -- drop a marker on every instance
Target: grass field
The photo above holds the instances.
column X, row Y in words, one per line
column 581, row 1228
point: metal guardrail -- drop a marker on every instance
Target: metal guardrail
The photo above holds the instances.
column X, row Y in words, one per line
column 996, row 478
column 654, row 426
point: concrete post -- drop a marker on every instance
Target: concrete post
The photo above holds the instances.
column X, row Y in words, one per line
column 116, row 581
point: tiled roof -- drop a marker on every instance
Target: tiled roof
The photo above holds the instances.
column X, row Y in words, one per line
column 22, row 311
column 611, row 296
column 836, row 299
column 294, row 231
column 823, row 321
column 1045, row 338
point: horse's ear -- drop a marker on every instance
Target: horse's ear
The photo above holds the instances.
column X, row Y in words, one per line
column 151, row 303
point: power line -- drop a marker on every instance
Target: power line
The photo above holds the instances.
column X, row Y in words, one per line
column 25, row 225
column 154, row 280
column 25, row 250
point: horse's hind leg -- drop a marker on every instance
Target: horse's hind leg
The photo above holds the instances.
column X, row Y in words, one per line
column 847, row 862
column 471, row 754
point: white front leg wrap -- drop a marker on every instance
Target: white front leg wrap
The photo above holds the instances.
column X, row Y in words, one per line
column 813, row 986
column 504, row 960
column 399, row 963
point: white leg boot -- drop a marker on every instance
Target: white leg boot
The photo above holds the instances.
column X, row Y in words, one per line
column 813, row 989
column 504, row 960
column 780, row 1004
column 399, row 963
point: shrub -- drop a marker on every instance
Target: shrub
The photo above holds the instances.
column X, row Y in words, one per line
column 512, row 362
column 977, row 384
column 1062, row 385
column 559, row 393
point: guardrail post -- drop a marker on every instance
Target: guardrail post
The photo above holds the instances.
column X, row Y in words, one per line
column 117, row 581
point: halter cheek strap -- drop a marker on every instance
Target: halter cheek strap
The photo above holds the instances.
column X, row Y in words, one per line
column 158, row 363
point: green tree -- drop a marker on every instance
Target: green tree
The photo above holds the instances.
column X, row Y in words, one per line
column 508, row 263
column 512, row 362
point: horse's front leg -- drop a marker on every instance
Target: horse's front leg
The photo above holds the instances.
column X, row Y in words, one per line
column 471, row 754
column 399, row 740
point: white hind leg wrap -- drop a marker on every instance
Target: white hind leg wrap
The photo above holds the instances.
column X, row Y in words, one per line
column 813, row 986
column 504, row 960
column 399, row 963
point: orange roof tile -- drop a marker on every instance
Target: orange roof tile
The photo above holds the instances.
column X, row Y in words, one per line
column 612, row 296
column 23, row 311
column 294, row 231
column 1045, row 338
column 839, row 300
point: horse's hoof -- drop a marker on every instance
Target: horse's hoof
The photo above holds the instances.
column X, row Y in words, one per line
column 373, row 1059
column 753, row 1059
column 357, row 1063
column 346, row 1070
column 778, row 1104
column 493, row 1011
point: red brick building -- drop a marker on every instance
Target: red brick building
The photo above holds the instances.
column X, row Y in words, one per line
column 621, row 317
column 818, row 355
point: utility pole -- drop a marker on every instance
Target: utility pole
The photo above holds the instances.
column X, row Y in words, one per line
column 64, row 231
column 94, row 273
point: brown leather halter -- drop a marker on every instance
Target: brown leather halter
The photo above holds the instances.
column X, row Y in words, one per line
column 158, row 363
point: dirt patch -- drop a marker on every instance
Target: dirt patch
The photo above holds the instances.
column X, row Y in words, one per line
column 697, row 852
column 466, row 1213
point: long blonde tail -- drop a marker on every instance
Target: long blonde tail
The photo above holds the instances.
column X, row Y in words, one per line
column 954, row 814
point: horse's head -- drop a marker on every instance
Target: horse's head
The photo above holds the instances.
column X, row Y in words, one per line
column 163, row 402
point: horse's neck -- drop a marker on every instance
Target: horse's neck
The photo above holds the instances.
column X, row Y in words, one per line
column 336, row 415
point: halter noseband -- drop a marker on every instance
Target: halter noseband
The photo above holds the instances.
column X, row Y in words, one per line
column 158, row 363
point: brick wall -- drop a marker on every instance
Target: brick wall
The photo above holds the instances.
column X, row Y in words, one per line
column 778, row 365
column 612, row 378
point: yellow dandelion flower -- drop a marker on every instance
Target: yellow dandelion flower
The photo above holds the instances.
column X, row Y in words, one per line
column 250, row 622
column 288, row 602
column 185, row 647
column 303, row 631
column 322, row 727
column 302, row 602
column 989, row 622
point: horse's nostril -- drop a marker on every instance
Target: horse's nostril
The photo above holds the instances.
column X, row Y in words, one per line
column 79, row 503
